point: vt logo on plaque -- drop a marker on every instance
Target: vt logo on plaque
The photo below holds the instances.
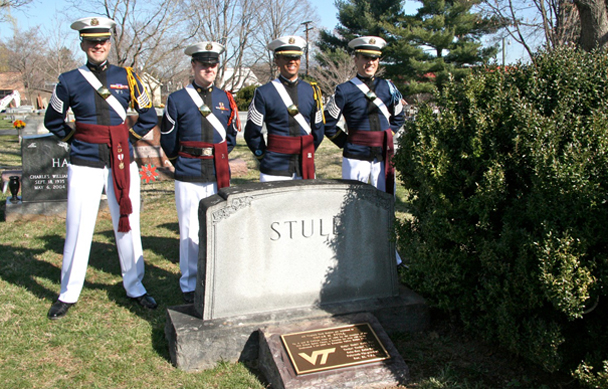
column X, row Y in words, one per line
column 313, row 356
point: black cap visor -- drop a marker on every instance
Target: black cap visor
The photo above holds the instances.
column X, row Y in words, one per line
column 207, row 57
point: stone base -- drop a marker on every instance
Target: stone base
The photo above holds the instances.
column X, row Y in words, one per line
column 195, row 344
column 30, row 211
column 277, row 367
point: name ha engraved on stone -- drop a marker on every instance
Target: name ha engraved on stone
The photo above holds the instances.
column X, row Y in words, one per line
column 304, row 229
column 58, row 162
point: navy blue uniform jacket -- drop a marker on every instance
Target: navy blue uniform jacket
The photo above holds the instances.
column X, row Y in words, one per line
column 363, row 115
column 183, row 121
column 73, row 90
column 268, row 107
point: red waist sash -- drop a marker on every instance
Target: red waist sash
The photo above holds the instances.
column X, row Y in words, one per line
column 382, row 139
column 220, row 159
column 117, row 138
column 301, row 145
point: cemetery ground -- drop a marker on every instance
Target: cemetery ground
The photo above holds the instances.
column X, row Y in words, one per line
column 107, row 341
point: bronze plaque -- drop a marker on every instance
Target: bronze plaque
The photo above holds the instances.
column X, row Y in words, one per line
column 332, row 348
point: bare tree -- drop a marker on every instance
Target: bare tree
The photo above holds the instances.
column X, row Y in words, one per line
column 14, row 3
column 7, row 5
column 233, row 24
column 27, row 60
column 39, row 57
column 333, row 69
column 547, row 23
column 148, row 35
column 58, row 56
column 282, row 17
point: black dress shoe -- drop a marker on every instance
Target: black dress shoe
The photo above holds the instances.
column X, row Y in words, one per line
column 189, row 297
column 146, row 301
column 58, row 310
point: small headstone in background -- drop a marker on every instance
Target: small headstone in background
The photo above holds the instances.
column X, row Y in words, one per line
column 45, row 168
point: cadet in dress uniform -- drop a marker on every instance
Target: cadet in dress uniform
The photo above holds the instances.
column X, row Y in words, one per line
column 100, row 157
column 293, row 113
column 373, row 112
column 198, row 131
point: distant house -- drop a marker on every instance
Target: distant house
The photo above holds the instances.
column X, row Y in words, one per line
column 153, row 86
column 234, row 82
column 10, row 81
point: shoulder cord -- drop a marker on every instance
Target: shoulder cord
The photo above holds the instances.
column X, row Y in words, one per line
column 134, row 86
column 235, row 111
column 318, row 98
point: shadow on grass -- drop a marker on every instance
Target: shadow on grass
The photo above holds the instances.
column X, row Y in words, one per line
column 166, row 247
column 163, row 285
column 23, row 267
column 20, row 267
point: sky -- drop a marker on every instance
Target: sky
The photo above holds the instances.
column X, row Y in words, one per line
column 51, row 15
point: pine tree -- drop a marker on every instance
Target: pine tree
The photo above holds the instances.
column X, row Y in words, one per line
column 359, row 18
column 443, row 38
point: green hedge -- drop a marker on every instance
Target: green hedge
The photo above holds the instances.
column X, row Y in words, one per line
column 244, row 96
column 508, row 187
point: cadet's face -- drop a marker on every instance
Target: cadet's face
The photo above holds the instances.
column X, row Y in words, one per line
column 97, row 52
column 288, row 66
column 366, row 66
column 204, row 73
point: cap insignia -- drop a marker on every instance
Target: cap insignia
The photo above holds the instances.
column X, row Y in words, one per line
column 94, row 22
column 372, row 41
column 292, row 41
column 209, row 46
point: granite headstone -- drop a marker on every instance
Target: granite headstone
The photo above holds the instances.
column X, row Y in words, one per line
column 45, row 168
column 278, row 252
column 294, row 244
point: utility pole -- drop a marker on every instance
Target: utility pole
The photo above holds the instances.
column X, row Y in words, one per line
column 306, row 29
column 504, row 50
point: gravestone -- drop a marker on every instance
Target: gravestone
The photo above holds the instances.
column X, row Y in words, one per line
column 305, row 244
column 45, row 168
column 44, row 179
column 34, row 125
column 276, row 253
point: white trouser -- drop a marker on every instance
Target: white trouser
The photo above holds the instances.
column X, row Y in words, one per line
column 269, row 178
column 85, row 186
column 364, row 171
column 187, row 198
column 368, row 172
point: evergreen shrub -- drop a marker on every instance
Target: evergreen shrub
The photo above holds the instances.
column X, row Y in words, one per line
column 244, row 96
column 507, row 178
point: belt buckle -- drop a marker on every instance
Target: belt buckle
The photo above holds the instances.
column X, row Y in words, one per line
column 371, row 96
column 207, row 151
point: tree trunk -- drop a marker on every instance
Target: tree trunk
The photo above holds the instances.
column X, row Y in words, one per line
column 594, row 23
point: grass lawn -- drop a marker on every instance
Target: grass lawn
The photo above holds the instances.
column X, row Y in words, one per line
column 106, row 341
